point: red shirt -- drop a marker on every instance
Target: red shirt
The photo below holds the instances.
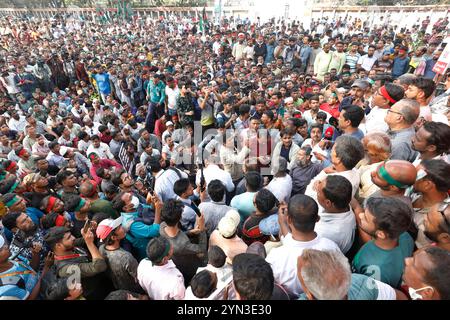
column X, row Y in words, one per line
column 160, row 127
column 105, row 164
column 333, row 110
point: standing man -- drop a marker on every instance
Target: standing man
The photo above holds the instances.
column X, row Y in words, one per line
column 322, row 62
column 156, row 95
column 401, row 63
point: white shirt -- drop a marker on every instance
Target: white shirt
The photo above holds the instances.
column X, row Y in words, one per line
column 375, row 121
column 161, row 282
column 164, row 182
column 213, row 172
column 83, row 145
column 103, row 151
column 283, row 260
column 224, row 277
column 17, row 125
column 338, row 227
column 367, row 62
column 164, row 135
column 171, row 154
column 281, row 187
column 350, row 175
column 172, row 95
column 309, row 118
column 91, row 131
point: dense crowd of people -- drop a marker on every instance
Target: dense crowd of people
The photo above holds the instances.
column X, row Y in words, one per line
column 150, row 160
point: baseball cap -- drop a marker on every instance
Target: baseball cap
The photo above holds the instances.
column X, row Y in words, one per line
column 107, row 226
column 55, row 234
column 241, row 35
column 169, row 123
column 228, row 224
column 362, row 84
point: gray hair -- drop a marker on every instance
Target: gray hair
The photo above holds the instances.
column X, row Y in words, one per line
column 380, row 141
column 407, row 79
column 326, row 274
column 349, row 150
column 410, row 110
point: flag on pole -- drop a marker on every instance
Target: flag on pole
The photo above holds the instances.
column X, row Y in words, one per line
column 203, row 19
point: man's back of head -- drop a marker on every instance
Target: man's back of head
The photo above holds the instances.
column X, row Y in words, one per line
column 252, row 277
column 303, row 213
column 324, row 275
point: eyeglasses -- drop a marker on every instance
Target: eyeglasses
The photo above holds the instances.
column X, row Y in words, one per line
column 389, row 110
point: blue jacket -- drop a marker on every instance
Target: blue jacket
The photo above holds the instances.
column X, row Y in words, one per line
column 138, row 233
column 270, row 51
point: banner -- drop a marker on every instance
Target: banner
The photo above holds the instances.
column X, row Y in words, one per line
column 442, row 64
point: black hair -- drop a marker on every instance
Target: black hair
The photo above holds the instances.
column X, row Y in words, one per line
column 120, row 295
column 395, row 91
column 253, row 181
column 49, row 220
column 316, row 125
column 286, row 131
column 116, row 177
column 95, row 137
column 439, row 136
column 100, row 172
column 181, row 186
column 202, row 284
column 216, row 256
column 303, row 212
column 55, row 290
column 81, row 135
column 111, row 188
column 278, row 94
column 321, row 115
column 244, row 109
column 265, row 201
column 55, row 235
column 301, row 122
column 438, row 171
column 392, row 215
column 269, row 114
column 338, row 190
column 63, row 175
column 156, row 248
column 154, row 164
column 439, row 276
column 216, row 190
column 354, row 114
column 10, row 220
column 314, row 97
column 71, row 203
column 349, row 150
column 53, row 144
column 426, row 85
column 118, row 203
column 171, row 212
column 252, row 277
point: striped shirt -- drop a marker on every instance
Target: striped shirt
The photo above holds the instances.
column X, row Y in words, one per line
column 352, row 60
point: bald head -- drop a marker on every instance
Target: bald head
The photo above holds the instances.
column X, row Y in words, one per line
column 88, row 189
column 402, row 171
